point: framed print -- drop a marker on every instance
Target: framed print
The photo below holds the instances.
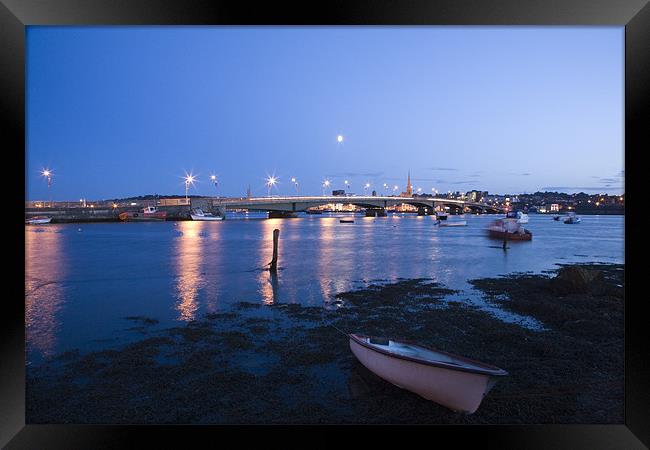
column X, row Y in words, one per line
column 265, row 217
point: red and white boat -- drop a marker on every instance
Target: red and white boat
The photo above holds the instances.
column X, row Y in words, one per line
column 150, row 213
column 509, row 229
column 453, row 381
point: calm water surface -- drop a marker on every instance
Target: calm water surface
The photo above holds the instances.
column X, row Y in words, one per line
column 80, row 285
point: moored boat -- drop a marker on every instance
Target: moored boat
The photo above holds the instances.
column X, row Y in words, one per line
column 522, row 217
column 199, row 214
column 38, row 220
column 572, row 218
column 453, row 223
column 509, row 229
column 453, row 381
column 441, row 215
column 346, row 221
column 150, row 213
column 556, row 218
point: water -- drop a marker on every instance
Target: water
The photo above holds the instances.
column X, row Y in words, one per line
column 82, row 280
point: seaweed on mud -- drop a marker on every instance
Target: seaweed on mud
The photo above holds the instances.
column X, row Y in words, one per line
column 142, row 319
column 570, row 372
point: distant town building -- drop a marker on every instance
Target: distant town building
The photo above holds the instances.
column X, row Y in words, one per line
column 555, row 207
column 173, row 201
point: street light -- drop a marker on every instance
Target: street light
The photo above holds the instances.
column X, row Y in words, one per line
column 189, row 179
column 339, row 139
column 395, row 188
column 213, row 178
column 365, row 188
column 295, row 183
column 47, row 173
column 326, row 184
column 347, row 185
column 271, row 181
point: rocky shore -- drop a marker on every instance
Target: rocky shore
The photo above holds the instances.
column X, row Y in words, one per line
column 286, row 363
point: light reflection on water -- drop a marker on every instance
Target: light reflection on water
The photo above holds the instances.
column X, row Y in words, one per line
column 45, row 268
column 80, row 286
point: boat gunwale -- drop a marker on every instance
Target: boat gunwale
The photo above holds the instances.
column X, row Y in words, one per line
column 489, row 369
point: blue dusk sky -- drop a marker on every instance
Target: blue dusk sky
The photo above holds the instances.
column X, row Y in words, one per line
column 122, row 111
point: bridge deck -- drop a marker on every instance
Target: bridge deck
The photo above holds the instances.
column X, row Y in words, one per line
column 302, row 203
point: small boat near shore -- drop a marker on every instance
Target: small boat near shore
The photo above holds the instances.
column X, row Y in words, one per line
column 556, row 218
column 522, row 217
column 148, row 214
column 346, row 221
column 572, row 218
column 199, row 214
column 453, row 381
column 440, row 215
column 38, row 220
column 453, row 223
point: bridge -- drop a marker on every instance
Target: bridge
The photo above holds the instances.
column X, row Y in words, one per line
column 293, row 204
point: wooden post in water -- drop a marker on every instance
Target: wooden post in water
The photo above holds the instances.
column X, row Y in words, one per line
column 274, row 261
column 505, row 240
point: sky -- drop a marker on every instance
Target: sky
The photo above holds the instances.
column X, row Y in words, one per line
column 128, row 111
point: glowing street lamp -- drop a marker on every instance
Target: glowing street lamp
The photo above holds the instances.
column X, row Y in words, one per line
column 189, row 180
column 366, row 187
column 326, row 184
column 339, row 138
column 47, row 173
column 213, row 178
column 347, row 185
column 271, row 181
column 395, row 188
column 295, row 183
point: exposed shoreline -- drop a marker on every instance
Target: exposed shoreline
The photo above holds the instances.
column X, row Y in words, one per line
column 284, row 364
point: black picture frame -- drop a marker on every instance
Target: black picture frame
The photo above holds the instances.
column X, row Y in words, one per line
column 15, row 15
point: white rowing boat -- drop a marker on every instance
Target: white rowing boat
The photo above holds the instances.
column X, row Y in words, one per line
column 453, row 381
column 38, row 220
column 453, row 223
column 198, row 214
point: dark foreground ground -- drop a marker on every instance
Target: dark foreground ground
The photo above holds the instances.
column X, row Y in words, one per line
column 286, row 364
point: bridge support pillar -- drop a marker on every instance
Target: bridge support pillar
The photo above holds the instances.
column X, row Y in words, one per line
column 375, row 212
column 282, row 215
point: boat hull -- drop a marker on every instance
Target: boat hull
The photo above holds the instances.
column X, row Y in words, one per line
column 38, row 221
column 453, row 223
column 496, row 234
column 454, row 389
column 206, row 218
column 142, row 217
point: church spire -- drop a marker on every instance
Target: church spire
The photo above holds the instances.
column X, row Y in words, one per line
column 409, row 189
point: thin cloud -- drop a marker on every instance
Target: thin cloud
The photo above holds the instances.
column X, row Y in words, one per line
column 356, row 174
column 581, row 188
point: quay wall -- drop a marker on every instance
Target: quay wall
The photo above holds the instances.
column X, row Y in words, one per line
column 110, row 214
